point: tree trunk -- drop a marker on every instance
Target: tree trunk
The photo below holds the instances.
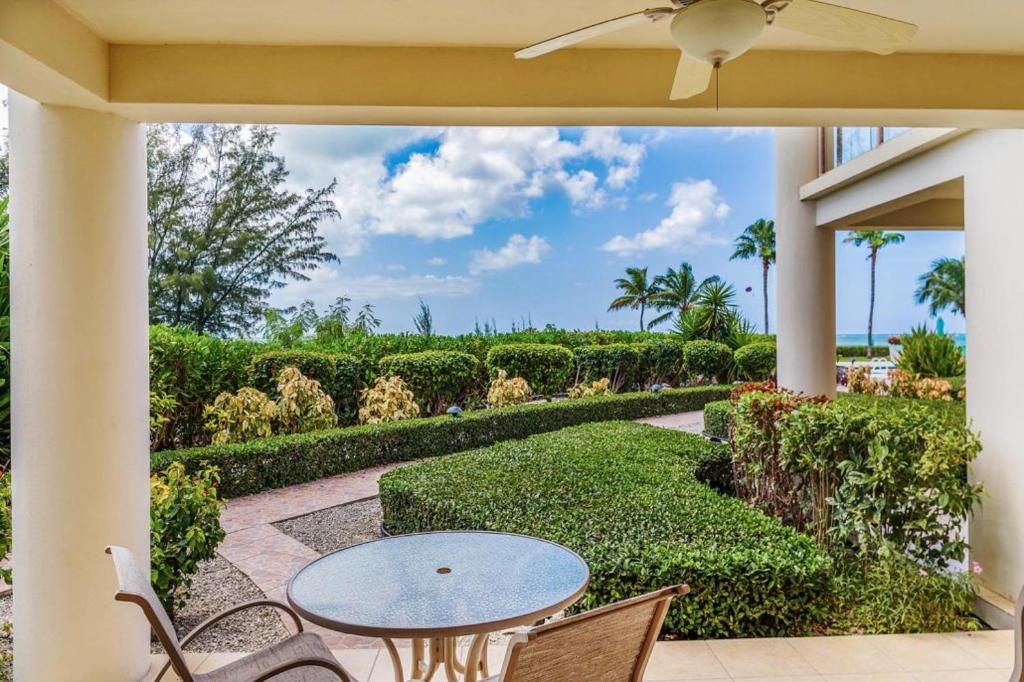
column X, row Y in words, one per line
column 764, row 288
column 642, row 306
column 871, row 307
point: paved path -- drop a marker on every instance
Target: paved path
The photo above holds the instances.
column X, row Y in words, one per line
column 270, row 558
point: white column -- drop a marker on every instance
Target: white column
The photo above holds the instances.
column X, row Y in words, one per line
column 994, row 239
column 805, row 276
column 80, row 388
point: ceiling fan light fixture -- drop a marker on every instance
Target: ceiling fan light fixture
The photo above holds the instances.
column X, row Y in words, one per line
column 716, row 31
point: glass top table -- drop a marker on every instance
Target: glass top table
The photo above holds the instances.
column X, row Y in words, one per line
column 438, row 586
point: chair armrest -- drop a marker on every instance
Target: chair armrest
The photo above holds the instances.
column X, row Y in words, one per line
column 316, row 661
column 214, row 619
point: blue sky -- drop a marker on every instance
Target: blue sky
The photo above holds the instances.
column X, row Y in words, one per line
column 509, row 224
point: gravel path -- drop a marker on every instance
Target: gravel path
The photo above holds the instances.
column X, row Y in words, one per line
column 336, row 527
column 217, row 586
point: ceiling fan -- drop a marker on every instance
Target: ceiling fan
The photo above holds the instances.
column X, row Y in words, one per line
column 712, row 32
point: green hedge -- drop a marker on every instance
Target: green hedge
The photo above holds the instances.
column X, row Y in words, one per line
column 341, row 376
column 755, row 361
column 617, row 362
column 660, row 362
column 710, row 360
column 547, row 368
column 438, row 379
column 247, row 468
column 717, row 414
column 624, row 497
column 861, row 351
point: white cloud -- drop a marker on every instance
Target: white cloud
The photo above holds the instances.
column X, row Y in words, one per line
column 647, row 197
column 696, row 205
column 326, row 284
column 735, row 133
column 436, row 261
column 395, row 267
column 467, row 177
column 517, row 251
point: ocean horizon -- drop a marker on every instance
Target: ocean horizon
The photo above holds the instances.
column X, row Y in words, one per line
column 882, row 339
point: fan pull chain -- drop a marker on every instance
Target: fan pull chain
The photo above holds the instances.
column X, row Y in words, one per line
column 718, row 68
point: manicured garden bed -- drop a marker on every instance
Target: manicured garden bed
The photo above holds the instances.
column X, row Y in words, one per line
column 257, row 465
column 718, row 413
column 625, row 497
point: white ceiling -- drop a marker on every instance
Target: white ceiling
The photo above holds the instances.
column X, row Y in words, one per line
column 995, row 26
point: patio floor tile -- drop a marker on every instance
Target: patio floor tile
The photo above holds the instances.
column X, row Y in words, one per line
column 963, row 676
column 684, row 660
column 359, row 662
column 873, row 677
column 760, row 657
column 926, row 652
column 992, row 647
column 843, row 655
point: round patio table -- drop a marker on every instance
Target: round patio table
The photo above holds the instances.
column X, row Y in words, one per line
column 434, row 587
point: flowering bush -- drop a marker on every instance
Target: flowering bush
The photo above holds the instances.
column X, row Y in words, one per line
column 505, row 391
column 860, row 381
column 301, row 405
column 184, row 520
column 599, row 387
column 388, row 400
column 241, row 416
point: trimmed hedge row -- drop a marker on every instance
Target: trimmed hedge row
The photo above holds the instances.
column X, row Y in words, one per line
column 247, row 468
column 437, row 378
column 861, row 351
column 718, row 414
column 341, row 376
column 545, row 367
column 624, row 496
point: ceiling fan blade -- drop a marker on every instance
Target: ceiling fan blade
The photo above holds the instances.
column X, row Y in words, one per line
column 692, row 77
column 852, row 27
column 592, row 31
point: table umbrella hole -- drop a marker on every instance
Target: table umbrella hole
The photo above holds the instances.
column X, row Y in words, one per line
column 444, row 570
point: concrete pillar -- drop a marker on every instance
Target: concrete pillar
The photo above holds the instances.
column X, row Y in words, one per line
column 80, row 388
column 994, row 240
column 805, row 276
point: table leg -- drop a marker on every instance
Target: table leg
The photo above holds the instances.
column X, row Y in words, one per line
column 396, row 661
column 450, row 659
column 476, row 659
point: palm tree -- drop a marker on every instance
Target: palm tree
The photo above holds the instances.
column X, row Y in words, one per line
column 943, row 286
column 678, row 290
column 758, row 241
column 875, row 240
column 637, row 294
column 713, row 315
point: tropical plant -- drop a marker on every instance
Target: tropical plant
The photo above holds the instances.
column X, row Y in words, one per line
column 302, row 405
column 388, row 400
column 161, row 410
column 508, row 391
column 755, row 361
column 438, row 378
column 637, row 293
column 929, row 354
column 546, row 367
column 714, row 316
column 424, row 320
column 676, row 292
column 594, row 388
column 758, row 241
column 224, row 228
column 944, row 286
column 240, row 417
column 875, row 241
column 6, row 529
column 366, row 321
column 184, row 522
column 707, row 361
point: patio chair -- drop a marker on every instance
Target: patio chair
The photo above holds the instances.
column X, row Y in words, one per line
column 1018, row 639
column 302, row 657
column 609, row 644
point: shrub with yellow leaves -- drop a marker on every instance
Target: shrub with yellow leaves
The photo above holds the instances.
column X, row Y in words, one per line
column 388, row 400
column 239, row 417
column 599, row 387
column 505, row 391
column 302, row 406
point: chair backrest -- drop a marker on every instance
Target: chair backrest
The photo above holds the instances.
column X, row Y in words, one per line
column 133, row 586
column 1018, row 640
column 609, row 644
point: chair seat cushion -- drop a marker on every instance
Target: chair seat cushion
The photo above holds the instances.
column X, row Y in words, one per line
column 302, row 645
